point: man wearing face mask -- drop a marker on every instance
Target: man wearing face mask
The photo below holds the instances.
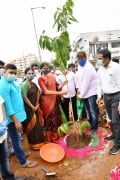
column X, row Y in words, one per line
column 68, row 83
column 109, row 84
column 10, row 147
column 87, row 88
column 15, row 111
column 1, row 68
column 37, row 74
column 58, row 75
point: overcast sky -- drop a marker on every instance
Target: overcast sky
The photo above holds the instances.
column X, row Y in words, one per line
column 17, row 36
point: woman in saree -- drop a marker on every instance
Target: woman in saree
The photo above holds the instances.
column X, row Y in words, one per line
column 33, row 126
column 49, row 103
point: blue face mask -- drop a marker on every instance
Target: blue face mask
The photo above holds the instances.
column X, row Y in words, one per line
column 99, row 63
column 82, row 62
column 11, row 77
column 46, row 71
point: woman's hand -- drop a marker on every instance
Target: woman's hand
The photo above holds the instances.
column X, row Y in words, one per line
column 64, row 92
column 35, row 107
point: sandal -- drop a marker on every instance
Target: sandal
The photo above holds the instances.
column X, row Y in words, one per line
column 29, row 164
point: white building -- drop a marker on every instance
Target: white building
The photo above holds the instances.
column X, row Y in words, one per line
column 92, row 42
column 24, row 61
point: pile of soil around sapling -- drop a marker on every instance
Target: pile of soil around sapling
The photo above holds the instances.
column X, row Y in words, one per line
column 78, row 141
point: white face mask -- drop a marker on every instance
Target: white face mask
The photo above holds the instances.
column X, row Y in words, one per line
column 11, row 77
column 57, row 72
column 1, row 71
column 36, row 71
column 99, row 63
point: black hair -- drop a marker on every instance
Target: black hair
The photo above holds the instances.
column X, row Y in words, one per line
column 2, row 63
column 71, row 65
column 115, row 60
column 43, row 64
column 27, row 69
column 81, row 52
column 34, row 64
column 10, row 66
column 106, row 53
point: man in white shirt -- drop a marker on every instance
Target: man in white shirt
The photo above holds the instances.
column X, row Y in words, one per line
column 109, row 84
column 37, row 74
column 70, row 87
column 87, row 88
column 58, row 75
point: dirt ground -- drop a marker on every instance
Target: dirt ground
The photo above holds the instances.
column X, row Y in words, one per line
column 96, row 166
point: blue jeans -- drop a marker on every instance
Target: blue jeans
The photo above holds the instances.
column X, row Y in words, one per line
column 4, row 162
column 16, row 141
column 92, row 111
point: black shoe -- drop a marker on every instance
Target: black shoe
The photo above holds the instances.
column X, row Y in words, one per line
column 114, row 150
column 20, row 178
column 110, row 138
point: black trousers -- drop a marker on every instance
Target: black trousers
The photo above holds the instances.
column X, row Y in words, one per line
column 65, row 107
column 111, row 104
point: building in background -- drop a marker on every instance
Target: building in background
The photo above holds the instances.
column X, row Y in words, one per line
column 24, row 61
column 92, row 42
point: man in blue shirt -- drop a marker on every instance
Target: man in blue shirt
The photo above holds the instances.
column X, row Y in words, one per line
column 5, row 170
column 15, row 112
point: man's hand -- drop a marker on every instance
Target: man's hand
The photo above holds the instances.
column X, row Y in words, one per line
column 18, row 126
column 119, row 108
column 98, row 101
column 79, row 97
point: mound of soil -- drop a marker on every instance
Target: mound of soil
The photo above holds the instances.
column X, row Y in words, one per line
column 78, row 141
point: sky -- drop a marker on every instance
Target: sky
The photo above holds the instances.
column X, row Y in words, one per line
column 17, row 33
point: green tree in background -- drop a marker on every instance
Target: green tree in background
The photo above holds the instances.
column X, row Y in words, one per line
column 60, row 44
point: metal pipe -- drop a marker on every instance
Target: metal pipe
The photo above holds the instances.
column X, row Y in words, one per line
column 39, row 53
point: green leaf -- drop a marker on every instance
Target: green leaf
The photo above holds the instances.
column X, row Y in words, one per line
column 73, row 19
column 60, row 45
column 65, row 36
